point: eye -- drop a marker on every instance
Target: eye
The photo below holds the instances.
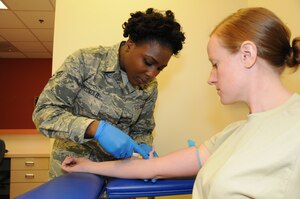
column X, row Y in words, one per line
column 160, row 69
column 214, row 65
column 147, row 62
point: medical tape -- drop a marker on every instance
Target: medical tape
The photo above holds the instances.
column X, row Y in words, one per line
column 191, row 143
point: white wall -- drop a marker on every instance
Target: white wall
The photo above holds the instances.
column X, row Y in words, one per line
column 187, row 106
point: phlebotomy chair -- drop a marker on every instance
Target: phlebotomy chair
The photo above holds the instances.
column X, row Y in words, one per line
column 129, row 188
column 90, row 186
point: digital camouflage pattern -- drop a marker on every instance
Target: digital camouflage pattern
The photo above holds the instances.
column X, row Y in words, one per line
column 90, row 86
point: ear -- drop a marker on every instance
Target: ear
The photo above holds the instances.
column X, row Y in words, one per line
column 129, row 44
column 248, row 53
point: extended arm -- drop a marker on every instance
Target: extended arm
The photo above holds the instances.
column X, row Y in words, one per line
column 181, row 163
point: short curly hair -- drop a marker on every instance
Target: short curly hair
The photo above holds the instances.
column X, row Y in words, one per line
column 153, row 25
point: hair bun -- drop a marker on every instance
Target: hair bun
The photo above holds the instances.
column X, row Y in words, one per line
column 293, row 59
column 296, row 49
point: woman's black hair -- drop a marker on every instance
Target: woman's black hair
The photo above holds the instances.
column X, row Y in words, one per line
column 153, row 25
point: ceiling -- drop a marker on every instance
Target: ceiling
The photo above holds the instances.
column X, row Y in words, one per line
column 27, row 29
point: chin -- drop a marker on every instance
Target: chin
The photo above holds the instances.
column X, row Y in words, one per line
column 133, row 83
column 226, row 101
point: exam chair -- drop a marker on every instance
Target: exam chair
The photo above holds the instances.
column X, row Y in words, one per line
column 91, row 186
column 68, row 186
column 2, row 150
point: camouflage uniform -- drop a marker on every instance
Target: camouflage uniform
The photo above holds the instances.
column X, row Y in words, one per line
column 91, row 86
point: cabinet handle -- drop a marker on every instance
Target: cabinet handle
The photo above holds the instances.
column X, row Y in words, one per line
column 29, row 163
column 29, row 175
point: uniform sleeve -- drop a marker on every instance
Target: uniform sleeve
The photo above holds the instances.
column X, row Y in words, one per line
column 215, row 141
column 53, row 112
column 143, row 128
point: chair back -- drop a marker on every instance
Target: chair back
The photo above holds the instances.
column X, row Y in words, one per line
column 2, row 150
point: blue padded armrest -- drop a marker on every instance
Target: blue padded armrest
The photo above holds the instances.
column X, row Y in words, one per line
column 127, row 188
column 70, row 185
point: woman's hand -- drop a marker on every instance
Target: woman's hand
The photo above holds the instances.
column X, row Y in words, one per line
column 71, row 164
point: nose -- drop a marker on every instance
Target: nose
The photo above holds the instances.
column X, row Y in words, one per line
column 152, row 72
column 212, row 79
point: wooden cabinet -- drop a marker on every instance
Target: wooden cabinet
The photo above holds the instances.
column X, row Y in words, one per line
column 29, row 161
column 26, row 174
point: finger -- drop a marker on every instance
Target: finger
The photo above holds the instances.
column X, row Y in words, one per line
column 124, row 155
column 65, row 167
column 67, row 161
column 140, row 150
column 155, row 154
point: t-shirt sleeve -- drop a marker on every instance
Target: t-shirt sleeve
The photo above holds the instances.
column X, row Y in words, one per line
column 215, row 141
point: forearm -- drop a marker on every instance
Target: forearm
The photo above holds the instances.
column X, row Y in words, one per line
column 70, row 128
column 53, row 114
column 53, row 120
column 91, row 129
column 130, row 168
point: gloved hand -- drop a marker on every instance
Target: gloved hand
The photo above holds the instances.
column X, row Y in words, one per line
column 148, row 149
column 116, row 142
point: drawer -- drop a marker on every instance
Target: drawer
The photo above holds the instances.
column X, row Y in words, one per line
column 29, row 163
column 29, row 176
column 20, row 188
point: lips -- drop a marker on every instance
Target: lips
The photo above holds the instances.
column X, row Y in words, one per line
column 139, row 80
column 142, row 81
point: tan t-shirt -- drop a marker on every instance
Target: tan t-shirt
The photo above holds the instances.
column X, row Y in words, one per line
column 257, row 158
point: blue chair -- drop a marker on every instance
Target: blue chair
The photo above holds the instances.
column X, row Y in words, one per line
column 131, row 188
column 68, row 186
column 91, row 186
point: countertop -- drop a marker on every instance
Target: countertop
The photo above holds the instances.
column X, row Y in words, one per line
column 26, row 145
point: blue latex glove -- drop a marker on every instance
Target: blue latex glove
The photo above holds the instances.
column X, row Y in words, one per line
column 148, row 148
column 116, row 142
